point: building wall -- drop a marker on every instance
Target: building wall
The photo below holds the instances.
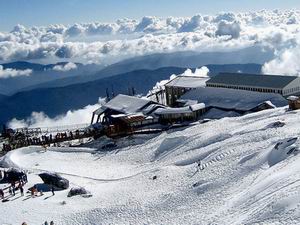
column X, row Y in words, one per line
column 294, row 104
column 247, row 88
column 181, row 117
column 292, row 88
column 174, row 93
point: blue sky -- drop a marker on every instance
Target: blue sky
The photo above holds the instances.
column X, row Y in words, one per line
column 44, row 12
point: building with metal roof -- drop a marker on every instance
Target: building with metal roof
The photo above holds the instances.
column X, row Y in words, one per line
column 125, row 105
column 180, row 85
column 283, row 85
column 241, row 101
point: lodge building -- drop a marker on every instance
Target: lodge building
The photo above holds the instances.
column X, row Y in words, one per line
column 283, row 85
column 181, row 85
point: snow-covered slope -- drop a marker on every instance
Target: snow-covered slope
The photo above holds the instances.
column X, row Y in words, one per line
column 249, row 173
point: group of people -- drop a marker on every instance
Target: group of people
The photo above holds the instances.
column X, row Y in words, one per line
column 43, row 140
column 13, row 188
column 46, row 223
column 6, row 147
column 14, row 185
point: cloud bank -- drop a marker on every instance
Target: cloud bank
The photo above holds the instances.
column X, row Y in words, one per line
column 64, row 68
column 286, row 63
column 199, row 72
column 6, row 73
column 85, row 42
column 72, row 117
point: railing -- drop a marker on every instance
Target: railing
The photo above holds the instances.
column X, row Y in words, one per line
column 44, row 130
column 23, row 137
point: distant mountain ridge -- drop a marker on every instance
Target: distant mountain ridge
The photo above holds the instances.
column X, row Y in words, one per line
column 44, row 76
column 40, row 74
column 215, row 69
column 186, row 59
column 23, row 65
column 193, row 59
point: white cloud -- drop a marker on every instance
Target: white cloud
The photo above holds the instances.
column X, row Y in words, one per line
column 72, row 117
column 9, row 72
column 226, row 31
column 159, row 86
column 199, row 72
column 286, row 63
column 66, row 67
column 232, row 29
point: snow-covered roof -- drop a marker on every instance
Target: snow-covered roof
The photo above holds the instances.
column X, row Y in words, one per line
column 180, row 110
column 126, row 104
column 293, row 98
column 152, row 107
column 252, row 80
column 188, row 82
column 198, row 106
column 232, row 99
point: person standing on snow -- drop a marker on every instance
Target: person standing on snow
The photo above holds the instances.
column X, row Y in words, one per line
column 13, row 188
column 21, row 190
column 52, row 189
column 199, row 165
column 1, row 194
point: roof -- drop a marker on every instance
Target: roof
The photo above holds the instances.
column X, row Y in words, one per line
column 232, row 99
column 181, row 110
column 253, row 80
column 198, row 106
column 151, row 108
column 165, row 111
column 126, row 104
column 187, row 82
column 293, row 98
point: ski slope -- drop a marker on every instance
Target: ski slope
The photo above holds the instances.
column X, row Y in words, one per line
column 249, row 174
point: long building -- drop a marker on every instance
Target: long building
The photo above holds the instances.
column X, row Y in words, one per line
column 283, row 85
column 240, row 101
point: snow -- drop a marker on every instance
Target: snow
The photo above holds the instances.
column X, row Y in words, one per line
column 164, row 111
column 219, row 114
column 180, row 110
column 198, row 106
column 232, row 98
column 126, row 104
column 188, row 82
column 293, row 98
column 249, row 174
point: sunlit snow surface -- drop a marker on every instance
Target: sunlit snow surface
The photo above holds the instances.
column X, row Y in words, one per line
column 244, row 179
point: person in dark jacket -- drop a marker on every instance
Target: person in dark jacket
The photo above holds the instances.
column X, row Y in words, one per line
column 52, row 189
column 13, row 187
column 1, row 194
column 21, row 190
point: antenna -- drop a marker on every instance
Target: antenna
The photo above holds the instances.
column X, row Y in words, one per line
column 112, row 91
column 107, row 94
